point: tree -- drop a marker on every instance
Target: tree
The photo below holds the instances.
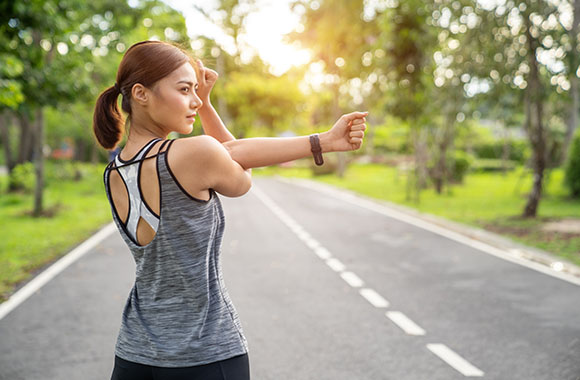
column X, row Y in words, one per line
column 409, row 42
column 57, row 43
column 500, row 51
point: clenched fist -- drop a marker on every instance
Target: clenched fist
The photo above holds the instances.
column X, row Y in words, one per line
column 206, row 79
column 347, row 133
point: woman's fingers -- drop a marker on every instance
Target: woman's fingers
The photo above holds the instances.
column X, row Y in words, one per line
column 353, row 115
column 360, row 134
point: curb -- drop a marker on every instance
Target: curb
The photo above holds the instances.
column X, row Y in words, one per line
column 512, row 248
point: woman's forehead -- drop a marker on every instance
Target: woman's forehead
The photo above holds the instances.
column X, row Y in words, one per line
column 184, row 72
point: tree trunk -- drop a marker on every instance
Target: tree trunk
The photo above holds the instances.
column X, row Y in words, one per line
column 39, row 163
column 505, row 150
column 6, row 140
column 441, row 170
column 94, row 153
column 26, row 145
column 534, row 126
column 574, row 61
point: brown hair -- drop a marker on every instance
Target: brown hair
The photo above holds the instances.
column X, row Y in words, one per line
column 145, row 62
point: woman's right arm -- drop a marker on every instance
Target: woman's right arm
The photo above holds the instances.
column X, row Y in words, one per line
column 347, row 134
column 220, row 172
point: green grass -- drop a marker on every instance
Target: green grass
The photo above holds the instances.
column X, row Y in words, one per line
column 485, row 200
column 28, row 244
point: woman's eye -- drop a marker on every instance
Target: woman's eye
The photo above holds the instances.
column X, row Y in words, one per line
column 185, row 88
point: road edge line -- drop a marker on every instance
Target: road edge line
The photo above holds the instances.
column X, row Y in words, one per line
column 51, row 272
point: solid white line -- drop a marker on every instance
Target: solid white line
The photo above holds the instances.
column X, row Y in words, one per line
column 406, row 324
column 454, row 360
column 48, row 274
column 417, row 222
column 335, row 265
column 374, row 298
column 352, row 279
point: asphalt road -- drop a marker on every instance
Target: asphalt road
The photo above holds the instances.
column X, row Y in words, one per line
column 325, row 289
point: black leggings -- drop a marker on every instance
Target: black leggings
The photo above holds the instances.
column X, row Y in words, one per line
column 236, row 368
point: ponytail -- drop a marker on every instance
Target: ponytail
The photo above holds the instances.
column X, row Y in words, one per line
column 108, row 124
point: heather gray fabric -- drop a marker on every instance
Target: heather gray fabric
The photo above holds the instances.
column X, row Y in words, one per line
column 178, row 312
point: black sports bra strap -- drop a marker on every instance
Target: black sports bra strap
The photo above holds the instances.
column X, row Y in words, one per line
column 144, row 158
column 163, row 145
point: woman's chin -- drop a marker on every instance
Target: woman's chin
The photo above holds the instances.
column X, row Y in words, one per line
column 186, row 130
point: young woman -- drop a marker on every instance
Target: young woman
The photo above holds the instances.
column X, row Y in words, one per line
column 178, row 321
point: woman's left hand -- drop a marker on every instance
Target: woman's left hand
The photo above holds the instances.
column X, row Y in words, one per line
column 206, row 80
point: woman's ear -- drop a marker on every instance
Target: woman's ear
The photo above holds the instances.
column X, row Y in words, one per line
column 139, row 94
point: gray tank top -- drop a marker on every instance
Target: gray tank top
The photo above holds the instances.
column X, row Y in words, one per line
column 178, row 313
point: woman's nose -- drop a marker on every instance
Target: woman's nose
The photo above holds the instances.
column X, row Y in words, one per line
column 196, row 101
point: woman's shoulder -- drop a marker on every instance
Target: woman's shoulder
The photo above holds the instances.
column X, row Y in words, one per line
column 195, row 152
column 188, row 161
column 195, row 147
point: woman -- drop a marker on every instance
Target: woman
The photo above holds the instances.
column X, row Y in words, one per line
column 178, row 321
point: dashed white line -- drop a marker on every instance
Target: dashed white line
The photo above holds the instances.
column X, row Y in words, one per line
column 312, row 243
column 374, row 298
column 391, row 212
column 406, row 324
column 352, row 279
column 454, row 360
column 322, row 253
column 335, row 264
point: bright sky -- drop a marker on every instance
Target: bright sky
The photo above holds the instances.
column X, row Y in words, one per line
column 264, row 30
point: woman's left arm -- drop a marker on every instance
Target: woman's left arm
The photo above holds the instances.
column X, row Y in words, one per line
column 210, row 120
column 212, row 123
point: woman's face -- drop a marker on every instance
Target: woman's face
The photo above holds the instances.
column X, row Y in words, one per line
column 174, row 100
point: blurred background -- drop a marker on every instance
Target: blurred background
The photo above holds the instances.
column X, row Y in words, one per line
column 473, row 106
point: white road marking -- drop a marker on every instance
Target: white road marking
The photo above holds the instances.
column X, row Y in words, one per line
column 374, row 298
column 322, row 253
column 51, row 272
column 454, row 360
column 374, row 205
column 335, row 265
column 406, row 324
column 352, row 279
column 312, row 243
column 303, row 235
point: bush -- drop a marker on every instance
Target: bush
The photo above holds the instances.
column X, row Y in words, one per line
column 492, row 165
column 518, row 150
column 572, row 173
column 22, row 177
column 460, row 165
column 62, row 170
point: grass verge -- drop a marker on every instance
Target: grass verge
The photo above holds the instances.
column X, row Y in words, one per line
column 77, row 210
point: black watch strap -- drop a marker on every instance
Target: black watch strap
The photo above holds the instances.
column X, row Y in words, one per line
column 316, row 149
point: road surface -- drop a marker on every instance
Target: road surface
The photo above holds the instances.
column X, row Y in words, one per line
column 325, row 289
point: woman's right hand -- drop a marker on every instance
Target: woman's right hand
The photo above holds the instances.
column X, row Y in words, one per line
column 346, row 134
